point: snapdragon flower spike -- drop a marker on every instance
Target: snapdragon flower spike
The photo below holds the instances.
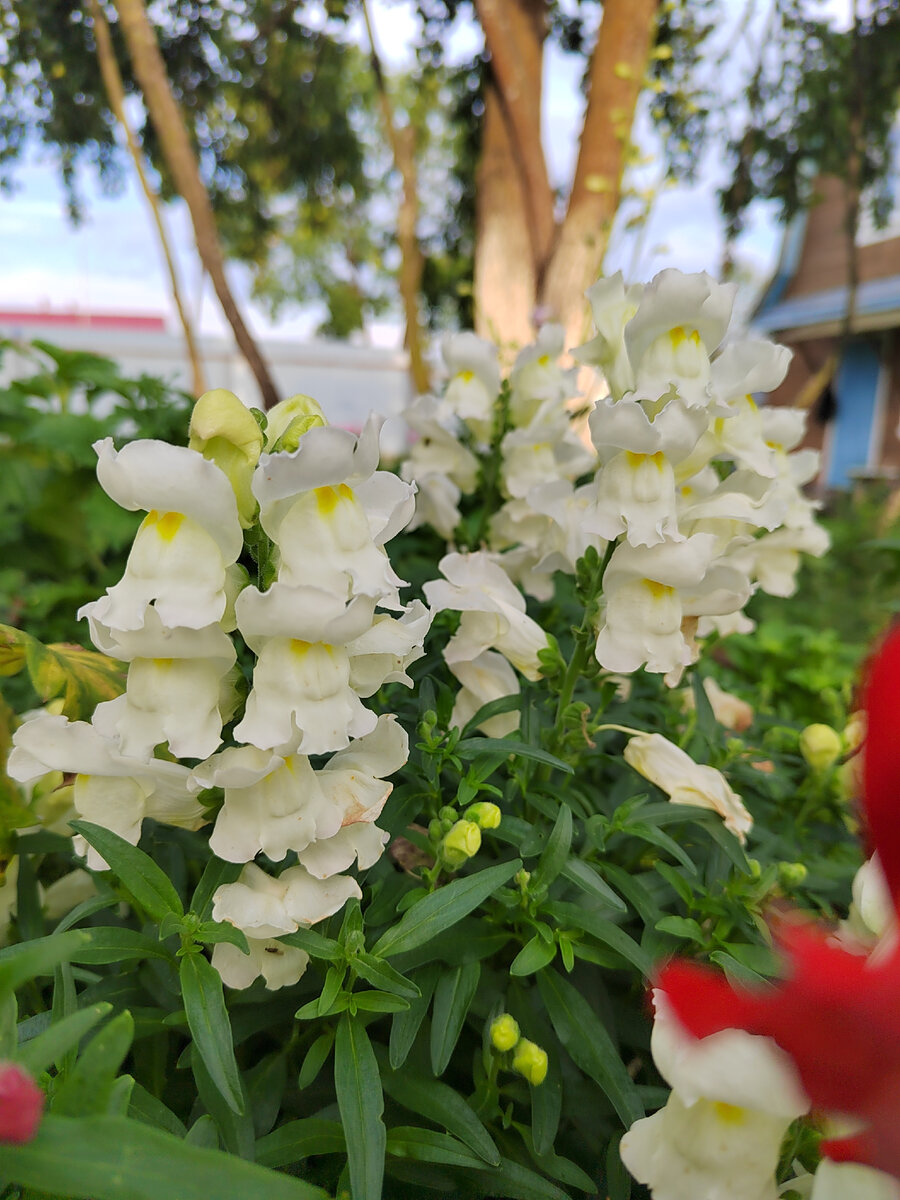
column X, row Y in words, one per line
column 21, row 1105
column 836, row 1012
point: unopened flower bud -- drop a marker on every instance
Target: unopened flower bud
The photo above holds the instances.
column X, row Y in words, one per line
column 792, row 874
column 289, row 420
column 484, row 814
column 855, row 731
column 504, row 1032
column 21, row 1105
column 460, row 843
column 531, row 1061
column 223, row 430
column 821, row 746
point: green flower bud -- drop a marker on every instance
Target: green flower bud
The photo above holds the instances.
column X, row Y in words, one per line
column 531, row 1061
column 224, row 430
column 821, row 746
column 289, row 420
column 435, row 829
column 460, row 843
column 792, row 874
column 484, row 814
column 504, row 1032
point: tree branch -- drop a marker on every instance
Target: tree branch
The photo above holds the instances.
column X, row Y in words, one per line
column 115, row 91
column 150, row 72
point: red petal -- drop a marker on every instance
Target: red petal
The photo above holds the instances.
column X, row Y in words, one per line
column 881, row 759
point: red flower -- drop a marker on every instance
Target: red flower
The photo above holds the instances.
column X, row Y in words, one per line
column 836, row 1014
column 21, row 1104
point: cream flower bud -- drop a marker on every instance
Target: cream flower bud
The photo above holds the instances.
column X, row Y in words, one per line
column 687, row 782
column 531, row 1061
column 461, row 843
column 224, row 430
column 504, row 1032
column 821, row 746
column 300, row 413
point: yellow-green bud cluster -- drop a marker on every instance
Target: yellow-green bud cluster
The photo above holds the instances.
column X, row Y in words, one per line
column 460, row 842
column 484, row 814
column 529, row 1060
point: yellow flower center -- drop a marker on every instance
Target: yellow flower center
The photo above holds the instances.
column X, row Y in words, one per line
column 659, row 591
column 167, row 524
column 328, row 498
column 679, row 334
column 729, row 1114
column 466, row 376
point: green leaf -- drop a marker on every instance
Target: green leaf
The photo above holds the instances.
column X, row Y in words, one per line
column 452, row 996
column 681, row 927
column 533, row 956
column 207, row 1016
column 27, row 960
column 443, row 908
column 144, row 1106
column 216, row 874
column 517, row 1182
column 384, row 1002
column 114, row 1158
column 110, row 943
column 468, row 747
column 316, row 1057
column 437, row 1102
column 298, row 1140
column 82, row 678
column 147, row 882
column 210, row 933
column 427, row 1145
column 597, row 926
column 556, row 851
column 406, row 1025
column 361, row 1104
column 577, row 871
column 556, row 1166
column 546, row 1107
column 88, row 1085
column 315, row 945
column 39, row 1053
column 382, row 975
column 589, row 1045
column 656, row 837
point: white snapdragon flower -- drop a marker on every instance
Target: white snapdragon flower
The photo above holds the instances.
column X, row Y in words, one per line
column 276, row 803
column 474, row 384
column 111, row 789
column 843, row 1181
column 612, row 305
column 543, row 451
column 267, row 906
column 177, row 688
column 719, row 1136
column 687, row 782
column 648, row 594
column 537, row 377
column 185, row 544
column 441, row 467
column 493, row 612
column 680, row 322
column 278, row 964
column 485, row 678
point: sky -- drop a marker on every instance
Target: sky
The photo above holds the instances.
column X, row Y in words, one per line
column 111, row 262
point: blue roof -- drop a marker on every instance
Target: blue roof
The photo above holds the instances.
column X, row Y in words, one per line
column 874, row 298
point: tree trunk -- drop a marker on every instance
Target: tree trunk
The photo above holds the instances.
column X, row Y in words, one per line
column 617, row 70
column 505, row 282
column 412, row 263
column 514, row 33
column 112, row 81
column 163, row 110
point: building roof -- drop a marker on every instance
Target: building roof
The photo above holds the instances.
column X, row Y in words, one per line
column 821, row 314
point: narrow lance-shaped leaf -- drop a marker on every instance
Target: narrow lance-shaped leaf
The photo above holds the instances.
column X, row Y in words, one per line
column 207, row 1016
column 443, row 908
column 147, row 882
column 361, row 1103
